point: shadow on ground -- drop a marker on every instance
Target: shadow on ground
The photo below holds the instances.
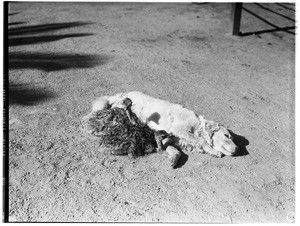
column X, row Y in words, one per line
column 47, row 61
column 24, row 94
column 53, row 62
column 286, row 7
column 32, row 35
column 241, row 142
column 41, row 39
column 15, row 23
column 11, row 14
column 182, row 160
column 33, row 29
column 275, row 27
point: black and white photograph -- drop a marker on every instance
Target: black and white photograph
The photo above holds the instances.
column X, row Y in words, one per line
column 149, row 112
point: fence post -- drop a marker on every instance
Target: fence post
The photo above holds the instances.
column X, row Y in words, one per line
column 236, row 14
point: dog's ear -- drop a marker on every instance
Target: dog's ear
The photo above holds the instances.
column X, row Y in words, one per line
column 215, row 126
column 211, row 127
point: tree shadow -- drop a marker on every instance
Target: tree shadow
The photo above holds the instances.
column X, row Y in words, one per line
column 53, row 62
column 33, row 34
column 41, row 39
column 241, row 143
column 47, row 61
column 23, row 94
column 15, row 23
column 15, row 13
column 44, row 28
column 276, row 28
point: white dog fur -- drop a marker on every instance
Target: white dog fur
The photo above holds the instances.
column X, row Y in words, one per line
column 192, row 130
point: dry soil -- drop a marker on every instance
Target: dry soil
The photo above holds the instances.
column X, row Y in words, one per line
column 63, row 55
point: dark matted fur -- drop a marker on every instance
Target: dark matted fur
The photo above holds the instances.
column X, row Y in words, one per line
column 119, row 136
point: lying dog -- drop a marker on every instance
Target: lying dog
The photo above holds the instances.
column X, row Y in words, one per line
column 120, row 132
column 193, row 130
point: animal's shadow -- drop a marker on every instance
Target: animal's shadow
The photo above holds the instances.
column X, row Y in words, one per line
column 182, row 160
column 241, row 142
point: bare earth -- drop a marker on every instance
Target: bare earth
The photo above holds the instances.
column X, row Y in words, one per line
column 64, row 55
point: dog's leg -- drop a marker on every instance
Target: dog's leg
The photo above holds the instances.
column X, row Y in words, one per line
column 194, row 140
column 126, row 104
column 173, row 154
column 208, row 149
column 204, row 146
column 159, row 137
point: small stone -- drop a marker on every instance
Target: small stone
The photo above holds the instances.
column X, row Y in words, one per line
column 114, row 198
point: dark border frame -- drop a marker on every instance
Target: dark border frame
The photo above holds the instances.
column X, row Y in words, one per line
column 5, row 153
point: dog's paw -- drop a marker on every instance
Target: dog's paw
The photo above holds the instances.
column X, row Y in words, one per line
column 174, row 155
column 218, row 154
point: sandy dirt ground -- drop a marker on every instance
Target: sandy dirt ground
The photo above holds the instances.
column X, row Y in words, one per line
column 64, row 55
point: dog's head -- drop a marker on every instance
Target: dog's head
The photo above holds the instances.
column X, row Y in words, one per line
column 220, row 138
column 222, row 141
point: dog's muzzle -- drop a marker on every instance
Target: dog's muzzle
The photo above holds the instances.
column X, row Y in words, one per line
column 230, row 151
